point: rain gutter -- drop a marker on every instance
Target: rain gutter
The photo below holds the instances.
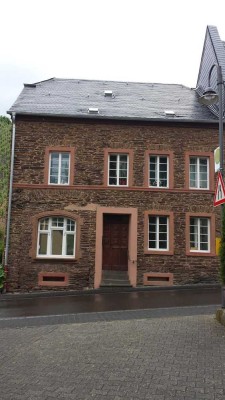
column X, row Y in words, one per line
column 118, row 118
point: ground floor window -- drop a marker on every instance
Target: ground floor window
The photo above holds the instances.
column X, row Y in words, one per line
column 199, row 234
column 158, row 232
column 56, row 237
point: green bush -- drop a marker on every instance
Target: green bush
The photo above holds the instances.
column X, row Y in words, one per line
column 1, row 245
column 2, row 277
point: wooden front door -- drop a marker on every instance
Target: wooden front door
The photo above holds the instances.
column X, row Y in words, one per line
column 115, row 242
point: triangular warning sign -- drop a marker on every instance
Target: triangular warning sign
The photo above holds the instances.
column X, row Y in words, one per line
column 219, row 197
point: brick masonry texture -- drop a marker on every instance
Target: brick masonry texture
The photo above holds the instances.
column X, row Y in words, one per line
column 90, row 138
column 165, row 358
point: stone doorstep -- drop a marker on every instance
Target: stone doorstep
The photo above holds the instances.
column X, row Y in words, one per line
column 220, row 316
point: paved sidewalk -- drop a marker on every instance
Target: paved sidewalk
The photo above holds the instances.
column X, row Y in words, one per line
column 163, row 356
column 43, row 304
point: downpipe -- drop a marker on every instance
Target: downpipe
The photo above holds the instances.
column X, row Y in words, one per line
column 10, row 193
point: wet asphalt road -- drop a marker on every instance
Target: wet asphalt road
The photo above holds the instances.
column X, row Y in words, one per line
column 44, row 305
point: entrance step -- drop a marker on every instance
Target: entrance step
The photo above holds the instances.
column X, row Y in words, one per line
column 115, row 278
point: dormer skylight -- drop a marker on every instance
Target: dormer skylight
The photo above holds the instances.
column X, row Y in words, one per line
column 108, row 93
column 169, row 113
column 93, row 110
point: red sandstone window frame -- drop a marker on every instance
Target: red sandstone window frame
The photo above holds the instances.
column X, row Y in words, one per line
column 48, row 214
column 212, row 235
column 210, row 156
column 170, row 155
column 50, row 225
column 130, row 154
column 59, row 149
column 157, row 213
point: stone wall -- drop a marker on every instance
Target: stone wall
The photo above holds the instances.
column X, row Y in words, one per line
column 90, row 138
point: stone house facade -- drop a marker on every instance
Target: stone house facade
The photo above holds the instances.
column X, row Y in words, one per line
column 113, row 184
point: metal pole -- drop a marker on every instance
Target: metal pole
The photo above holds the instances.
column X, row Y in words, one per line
column 220, row 92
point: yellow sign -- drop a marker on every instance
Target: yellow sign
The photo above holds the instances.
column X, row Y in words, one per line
column 217, row 159
column 218, row 240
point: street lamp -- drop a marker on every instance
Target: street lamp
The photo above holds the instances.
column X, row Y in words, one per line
column 208, row 98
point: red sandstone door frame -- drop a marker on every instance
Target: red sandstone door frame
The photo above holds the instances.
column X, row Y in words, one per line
column 132, row 242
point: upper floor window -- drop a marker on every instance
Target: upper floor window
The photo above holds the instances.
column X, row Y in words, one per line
column 59, row 165
column 158, row 171
column 118, row 169
column 56, row 237
column 199, row 172
column 59, row 168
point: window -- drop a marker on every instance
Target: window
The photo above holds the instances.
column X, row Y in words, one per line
column 59, row 165
column 199, row 234
column 158, row 233
column 199, row 173
column 56, row 237
column 59, row 168
column 118, row 169
column 199, row 170
column 158, row 171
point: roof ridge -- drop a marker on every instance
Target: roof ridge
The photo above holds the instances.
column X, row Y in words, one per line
column 110, row 81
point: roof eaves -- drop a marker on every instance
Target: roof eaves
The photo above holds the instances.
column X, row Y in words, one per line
column 186, row 120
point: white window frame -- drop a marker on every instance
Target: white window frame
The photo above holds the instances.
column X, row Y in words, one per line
column 118, row 155
column 49, row 231
column 158, row 171
column 198, row 173
column 198, row 247
column 60, row 153
column 157, row 248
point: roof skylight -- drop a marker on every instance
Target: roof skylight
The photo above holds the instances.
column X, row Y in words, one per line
column 169, row 113
column 108, row 93
column 93, row 110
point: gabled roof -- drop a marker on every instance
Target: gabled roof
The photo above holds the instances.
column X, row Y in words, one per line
column 123, row 100
column 213, row 53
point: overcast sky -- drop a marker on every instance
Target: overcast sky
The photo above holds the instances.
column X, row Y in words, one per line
column 131, row 40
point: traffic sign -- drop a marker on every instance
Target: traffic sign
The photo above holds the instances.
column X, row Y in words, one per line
column 219, row 197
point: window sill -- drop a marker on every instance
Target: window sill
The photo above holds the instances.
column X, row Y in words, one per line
column 58, row 184
column 158, row 187
column 118, row 186
column 192, row 188
column 54, row 259
column 200, row 254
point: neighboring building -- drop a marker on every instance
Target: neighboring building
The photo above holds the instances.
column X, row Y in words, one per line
column 114, row 184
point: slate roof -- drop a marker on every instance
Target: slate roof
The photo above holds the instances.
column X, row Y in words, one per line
column 129, row 100
column 213, row 54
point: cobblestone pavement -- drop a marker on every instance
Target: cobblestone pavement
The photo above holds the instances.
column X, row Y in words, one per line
column 158, row 356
